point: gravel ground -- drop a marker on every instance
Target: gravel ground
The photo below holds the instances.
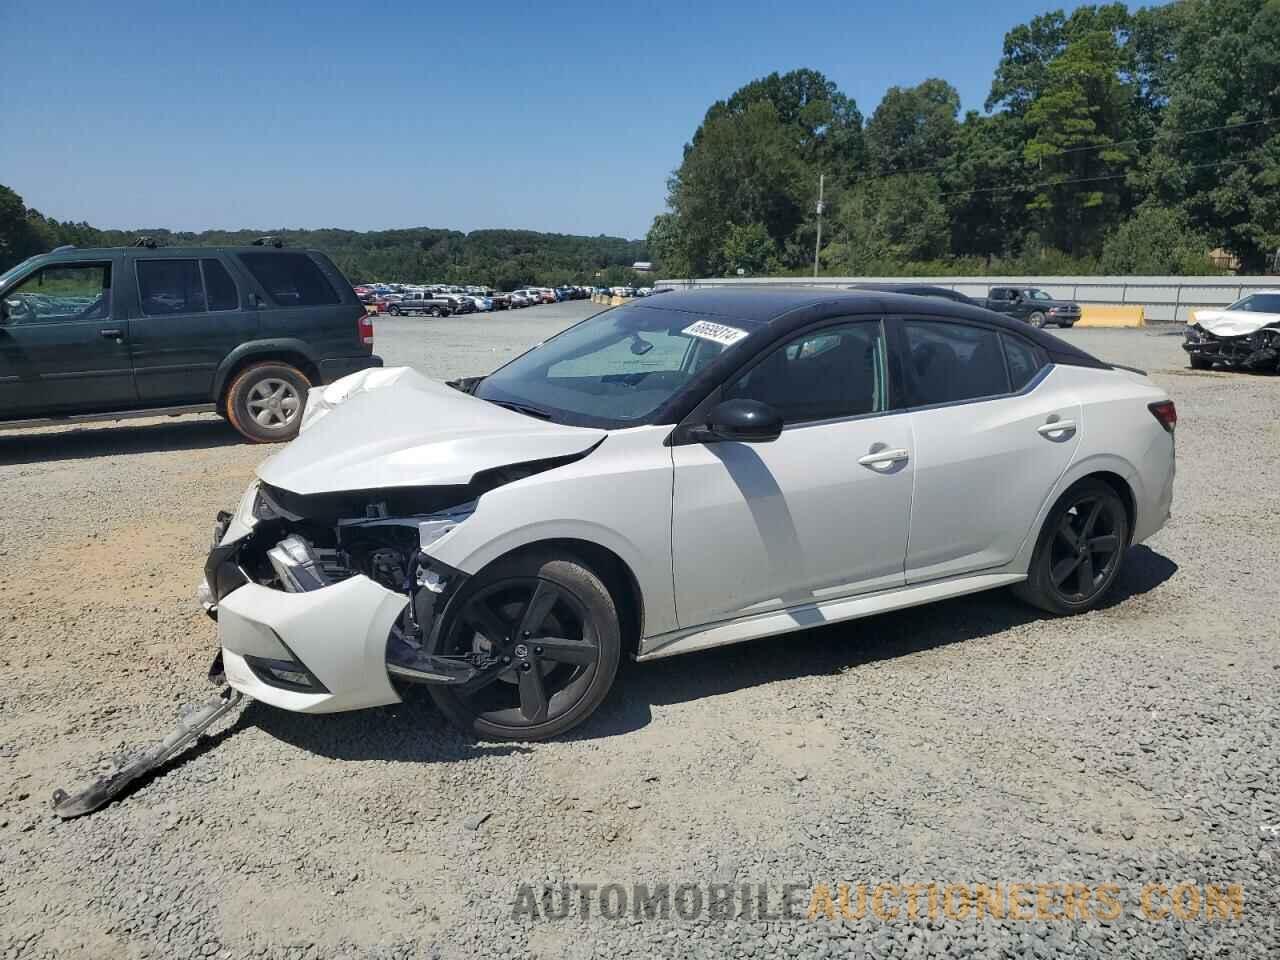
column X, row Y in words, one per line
column 968, row 742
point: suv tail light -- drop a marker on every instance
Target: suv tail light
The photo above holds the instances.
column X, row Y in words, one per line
column 1166, row 413
column 364, row 330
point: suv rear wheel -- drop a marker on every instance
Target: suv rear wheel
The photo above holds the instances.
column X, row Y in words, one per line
column 264, row 401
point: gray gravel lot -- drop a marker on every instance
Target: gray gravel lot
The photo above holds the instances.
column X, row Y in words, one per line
column 968, row 742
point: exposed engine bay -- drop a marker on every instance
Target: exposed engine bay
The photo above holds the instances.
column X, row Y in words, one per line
column 1259, row 350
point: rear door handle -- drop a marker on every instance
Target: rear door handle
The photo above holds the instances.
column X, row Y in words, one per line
column 1062, row 428
column 112, row 333
column 884, row 457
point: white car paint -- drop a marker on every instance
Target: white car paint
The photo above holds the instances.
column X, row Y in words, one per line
column 1235, row 320
column 726, row 541
column 398, row 428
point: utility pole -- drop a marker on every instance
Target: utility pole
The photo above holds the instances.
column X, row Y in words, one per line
column 817, row 243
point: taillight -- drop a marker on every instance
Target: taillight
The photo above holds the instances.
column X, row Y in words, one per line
column 1166, row 413
column 364, row 330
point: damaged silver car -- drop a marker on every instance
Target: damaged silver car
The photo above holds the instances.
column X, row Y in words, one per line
column 1244, row 336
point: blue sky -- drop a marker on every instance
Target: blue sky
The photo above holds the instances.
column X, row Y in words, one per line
column 565, row 117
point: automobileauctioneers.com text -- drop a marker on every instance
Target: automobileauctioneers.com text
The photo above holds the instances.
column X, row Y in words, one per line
column 887, row 902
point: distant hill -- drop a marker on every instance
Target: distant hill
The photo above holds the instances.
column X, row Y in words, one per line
column 498, row 258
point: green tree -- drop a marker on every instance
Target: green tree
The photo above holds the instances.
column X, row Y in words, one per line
column 913, row 127
column 1156, row 241
column 748, row 248
column 888, row 222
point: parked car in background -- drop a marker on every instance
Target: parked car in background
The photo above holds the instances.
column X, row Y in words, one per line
column 1031, row 305
column 1243, row 336
column 108, row 333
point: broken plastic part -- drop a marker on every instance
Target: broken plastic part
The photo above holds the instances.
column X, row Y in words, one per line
column 105, row 789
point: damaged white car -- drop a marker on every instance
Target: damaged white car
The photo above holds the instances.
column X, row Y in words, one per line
column 686, row 471
column 1244, row 336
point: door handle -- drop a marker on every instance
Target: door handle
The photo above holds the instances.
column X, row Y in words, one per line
column 1062, row 428
column 112, row 333
column 883, row 457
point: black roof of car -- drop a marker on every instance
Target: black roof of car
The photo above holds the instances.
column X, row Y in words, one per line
column 786, row 306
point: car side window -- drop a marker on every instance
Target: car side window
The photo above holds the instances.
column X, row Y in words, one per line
column 220, row 289
column 833, row 372
column 60, row 293
column 951, row 362
column 1024, row 360
column 170, row 286
column 291, row 279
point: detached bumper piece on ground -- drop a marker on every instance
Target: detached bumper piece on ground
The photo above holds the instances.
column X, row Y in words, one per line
column 105, row 789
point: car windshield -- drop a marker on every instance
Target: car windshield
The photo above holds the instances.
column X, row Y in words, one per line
column 615, row 369
column 1258, row 303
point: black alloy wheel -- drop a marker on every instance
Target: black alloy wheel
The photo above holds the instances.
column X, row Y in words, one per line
column 1080, row 550
column 546, row 632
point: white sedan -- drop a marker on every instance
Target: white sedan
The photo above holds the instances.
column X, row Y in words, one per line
column 690, row 470
column 1243, row 336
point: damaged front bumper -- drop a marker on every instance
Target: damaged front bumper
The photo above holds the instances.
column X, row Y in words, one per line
column 1254, row 351
column 320, row 629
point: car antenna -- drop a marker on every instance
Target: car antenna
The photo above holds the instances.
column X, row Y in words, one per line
column 269, row 242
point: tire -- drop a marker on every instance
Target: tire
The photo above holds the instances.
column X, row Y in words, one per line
column 497, row 601
column 1199, row 363
column 1036, row 319
column 434, row 312
column 1088, row 521
column 250, row 407
column 394, row 311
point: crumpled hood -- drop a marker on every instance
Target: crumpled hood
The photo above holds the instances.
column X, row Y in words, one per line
column 1235, row 323
column 393, row 427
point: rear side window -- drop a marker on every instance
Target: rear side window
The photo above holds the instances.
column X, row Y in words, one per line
column 291, row 279
column 950, row 362
column 220, row 289
column 170, row 286
column 1024, row 360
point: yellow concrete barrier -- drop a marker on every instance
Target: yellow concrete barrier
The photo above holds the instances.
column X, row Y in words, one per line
column 617, row 301
column 1100, row 315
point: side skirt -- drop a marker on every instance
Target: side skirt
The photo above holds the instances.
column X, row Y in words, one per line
column 811, row 615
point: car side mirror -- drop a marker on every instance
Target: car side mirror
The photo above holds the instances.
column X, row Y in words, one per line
column 746, row 421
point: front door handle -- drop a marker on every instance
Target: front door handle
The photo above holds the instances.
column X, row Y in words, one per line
column 112, row 333
column 881, row 458
column 1057, row 429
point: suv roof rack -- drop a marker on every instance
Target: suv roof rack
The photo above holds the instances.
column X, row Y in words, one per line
column 148, row 242
column 269, row 242
column 65, row 246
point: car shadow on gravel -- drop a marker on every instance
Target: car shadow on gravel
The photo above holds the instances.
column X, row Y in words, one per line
column 838, row 647
column 414, row 731
column 114, row 440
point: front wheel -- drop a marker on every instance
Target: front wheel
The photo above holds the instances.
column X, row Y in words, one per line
column 1036, row 319
column 394, row 311
column 549, row 628
column 434, row 312
column 265, row 402
column 1080, row 550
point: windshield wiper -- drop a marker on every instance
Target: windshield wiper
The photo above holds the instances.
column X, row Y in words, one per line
column 527, row 410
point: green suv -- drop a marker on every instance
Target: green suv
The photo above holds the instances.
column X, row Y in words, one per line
column 128, row 331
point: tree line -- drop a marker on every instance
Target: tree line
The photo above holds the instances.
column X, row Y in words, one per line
column 502, row 259
column 1111, row 142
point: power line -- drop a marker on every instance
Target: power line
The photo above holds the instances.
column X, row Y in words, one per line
column 1099, row 146
column 1060, row 183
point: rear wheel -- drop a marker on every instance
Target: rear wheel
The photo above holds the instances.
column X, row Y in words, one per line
column 265, row 401
column 434, row 312
column 551, row 628
column 394, row 311
column 1080, row 550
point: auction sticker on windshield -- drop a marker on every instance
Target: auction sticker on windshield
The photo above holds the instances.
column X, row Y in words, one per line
column 715, row 332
